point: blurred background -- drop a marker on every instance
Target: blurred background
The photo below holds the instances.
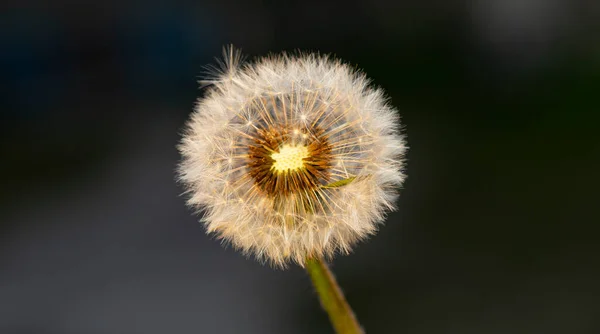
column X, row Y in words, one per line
column 497, row 228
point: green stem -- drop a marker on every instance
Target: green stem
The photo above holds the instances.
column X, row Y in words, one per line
column 332, row 299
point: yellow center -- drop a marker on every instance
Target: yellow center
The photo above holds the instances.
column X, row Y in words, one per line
column 289, row 158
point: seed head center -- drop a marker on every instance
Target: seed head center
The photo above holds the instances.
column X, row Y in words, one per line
column 289, row 158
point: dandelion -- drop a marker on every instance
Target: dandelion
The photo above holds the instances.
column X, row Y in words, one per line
column 292, row 156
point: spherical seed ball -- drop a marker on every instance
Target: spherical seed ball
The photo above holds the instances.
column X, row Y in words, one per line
column 292, row 156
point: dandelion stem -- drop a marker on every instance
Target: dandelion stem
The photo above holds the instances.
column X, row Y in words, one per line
column 332, row 299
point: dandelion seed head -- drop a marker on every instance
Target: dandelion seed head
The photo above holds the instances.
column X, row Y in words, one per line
column 264, row 146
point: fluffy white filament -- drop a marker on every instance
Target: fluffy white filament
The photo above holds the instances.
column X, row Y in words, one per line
column 311, row 98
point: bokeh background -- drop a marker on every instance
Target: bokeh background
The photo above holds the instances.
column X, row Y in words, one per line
column 497, row 228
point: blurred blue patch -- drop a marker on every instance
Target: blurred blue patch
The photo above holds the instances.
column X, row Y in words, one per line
column 30, row 59
column 164, row 49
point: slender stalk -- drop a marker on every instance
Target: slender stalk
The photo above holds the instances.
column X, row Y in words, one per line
column 332, row 299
